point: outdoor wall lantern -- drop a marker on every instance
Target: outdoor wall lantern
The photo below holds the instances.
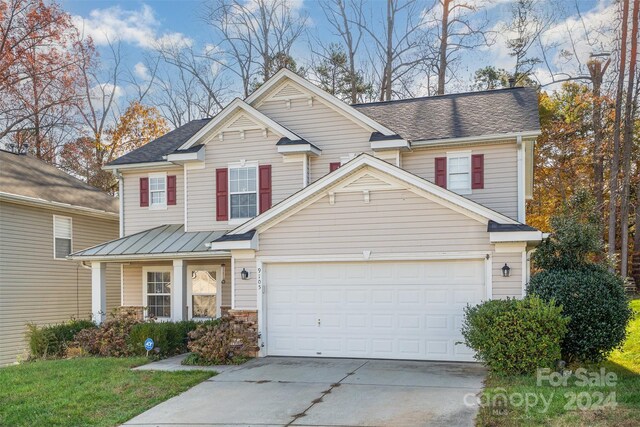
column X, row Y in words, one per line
column 222, row 273
column 244, row 274
column 506, row 270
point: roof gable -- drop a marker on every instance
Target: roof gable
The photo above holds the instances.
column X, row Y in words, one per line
column 248, row 118
column 367, row 173
column 286, row 84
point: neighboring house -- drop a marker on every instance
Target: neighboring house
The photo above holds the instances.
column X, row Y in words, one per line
column 45, row 215
column 346, row 231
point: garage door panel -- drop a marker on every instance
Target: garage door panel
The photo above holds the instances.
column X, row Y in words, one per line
column 402, row 310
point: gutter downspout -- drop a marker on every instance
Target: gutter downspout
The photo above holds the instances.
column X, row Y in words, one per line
column 520, row 180
column 119, row 177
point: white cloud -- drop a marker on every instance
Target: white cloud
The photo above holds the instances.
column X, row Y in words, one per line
column 139, row 27
column 141, row 71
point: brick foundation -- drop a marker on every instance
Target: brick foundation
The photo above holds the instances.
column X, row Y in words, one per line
column 250, row 319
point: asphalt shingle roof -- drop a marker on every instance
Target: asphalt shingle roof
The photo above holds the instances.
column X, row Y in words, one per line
column 166, row 144
column 458, row 115
column 435, row 117
column 24, row 175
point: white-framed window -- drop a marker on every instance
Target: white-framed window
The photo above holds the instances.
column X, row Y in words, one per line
column 459, row 172
column 158, row 190
column 243, row 191
column 62, row 236
column 157, row 291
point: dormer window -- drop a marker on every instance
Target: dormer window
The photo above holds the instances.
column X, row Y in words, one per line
column 243, row 191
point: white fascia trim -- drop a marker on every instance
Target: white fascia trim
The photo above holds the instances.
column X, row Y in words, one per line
column 299, row 149
column 373, row 257
column 390, row 144
column 147, row 165
column 515, row 236
column 348, row 110
column 155, row 257
column 32, row 201
column 231, row 109
column 179, row 158
column 471, row 139
column 368, row 160
column 235, row 244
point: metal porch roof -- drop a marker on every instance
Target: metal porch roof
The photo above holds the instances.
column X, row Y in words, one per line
column 166, row 239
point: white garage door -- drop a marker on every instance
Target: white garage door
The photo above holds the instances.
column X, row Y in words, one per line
column 388, row 310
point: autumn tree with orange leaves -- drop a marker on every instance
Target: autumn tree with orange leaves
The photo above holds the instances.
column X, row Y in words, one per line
column 40, row 82
column 85, row 156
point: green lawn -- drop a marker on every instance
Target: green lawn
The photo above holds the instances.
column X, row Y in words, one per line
column 624, row 363
column 85, row 391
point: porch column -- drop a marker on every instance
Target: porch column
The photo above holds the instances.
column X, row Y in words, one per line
column 178, row 291
column 98, row 291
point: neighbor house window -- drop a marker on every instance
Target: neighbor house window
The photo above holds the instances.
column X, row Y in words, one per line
column 158, row 284
column 157, row 190
column 243, row 192
column 459, row 172
column 62, row 231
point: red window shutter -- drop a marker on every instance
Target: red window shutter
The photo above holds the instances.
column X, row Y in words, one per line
column 477, row 171
column 222, row 194
column 171, row 190
column 441, row 171
column 144, row 192
column 265, row 187
column 333, row 166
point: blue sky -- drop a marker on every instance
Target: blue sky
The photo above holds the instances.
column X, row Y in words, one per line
column 138, row 24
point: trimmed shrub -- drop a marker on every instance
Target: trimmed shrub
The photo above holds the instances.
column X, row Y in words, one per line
column 53, row 340
column 223, row 340
column 595, row 300
column 110, row 339
column 170, row 338
column 515, row 336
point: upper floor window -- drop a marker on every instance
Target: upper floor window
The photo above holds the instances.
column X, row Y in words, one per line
column 459, row 172
column 62, row 232
column 243, row 192
column 158, row 190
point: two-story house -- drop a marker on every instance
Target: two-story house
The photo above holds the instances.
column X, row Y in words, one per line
column 345, row 230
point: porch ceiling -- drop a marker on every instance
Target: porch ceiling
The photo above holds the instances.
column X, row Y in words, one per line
column 166, row 239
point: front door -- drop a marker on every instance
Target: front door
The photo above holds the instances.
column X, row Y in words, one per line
column 203, row 292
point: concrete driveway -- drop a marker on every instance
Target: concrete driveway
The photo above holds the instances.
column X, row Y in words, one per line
column 287, row 391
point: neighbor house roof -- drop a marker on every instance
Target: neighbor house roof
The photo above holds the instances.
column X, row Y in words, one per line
column 158, row 241
column 23, row 177
column 459, row 115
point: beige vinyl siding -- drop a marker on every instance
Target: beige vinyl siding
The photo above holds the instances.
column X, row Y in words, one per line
column 286, row 178
column 138, row 218
column 500, row 191
column 397, row 221
column 322, row 126
column 246, row 291
column 133, row 280
column 35, row 287
column 507, row 286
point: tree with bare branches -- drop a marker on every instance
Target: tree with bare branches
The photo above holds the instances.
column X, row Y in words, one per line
column 253, row 35
column 458, row 28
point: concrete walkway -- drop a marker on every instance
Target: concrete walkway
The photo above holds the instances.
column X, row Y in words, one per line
column 174, row 363
column 327, row 392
